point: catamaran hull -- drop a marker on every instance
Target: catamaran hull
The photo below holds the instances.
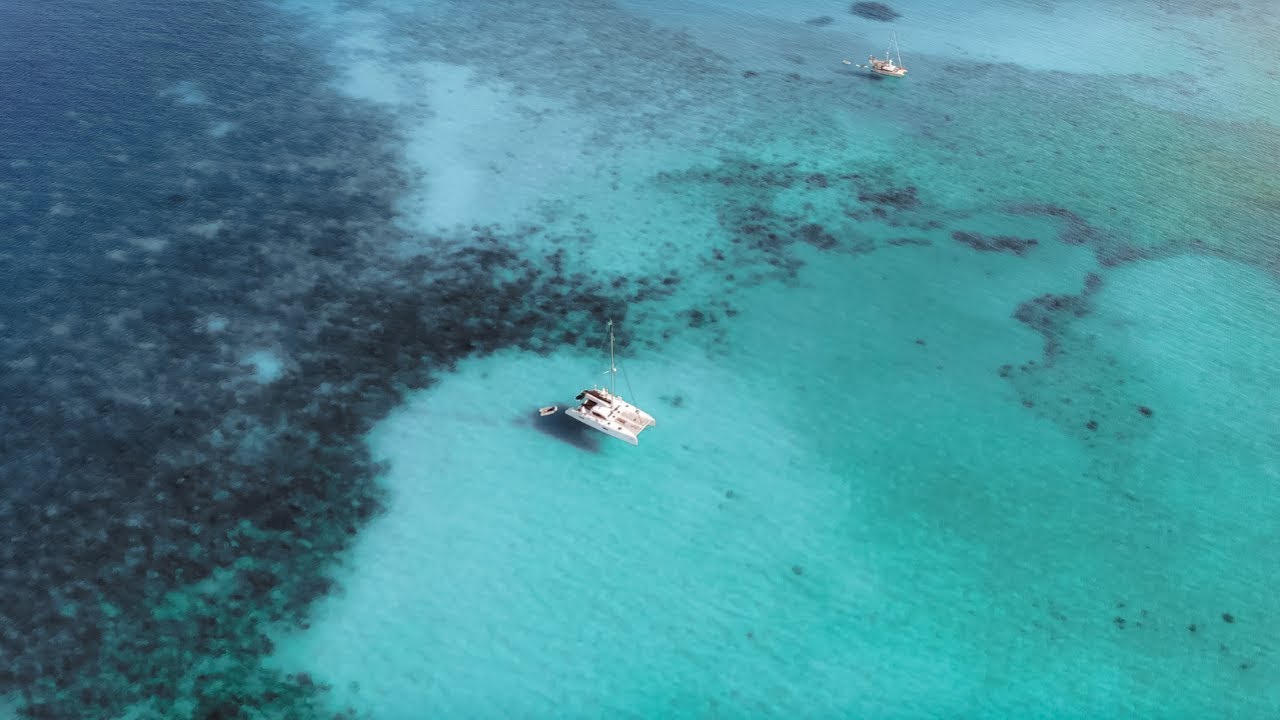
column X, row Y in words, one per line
column 608, row 413
column 614, row 431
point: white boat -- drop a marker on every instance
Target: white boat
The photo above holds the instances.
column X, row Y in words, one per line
column 607, row 412
column 886, row 67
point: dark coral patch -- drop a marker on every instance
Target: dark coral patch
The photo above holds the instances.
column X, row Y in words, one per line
column 994, row 243
column 909, row 242
column 817, row 180
column 1075, row 230
column 820, row 21
column 1092, row 283
column 874, row 11
column 904, row 198
column 1120, row 255
column 1044, row 311
column 744, row 192
column 1048, row 315
column 817, row 236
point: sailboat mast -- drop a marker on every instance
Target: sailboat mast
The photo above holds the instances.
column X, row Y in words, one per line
column 613, row 367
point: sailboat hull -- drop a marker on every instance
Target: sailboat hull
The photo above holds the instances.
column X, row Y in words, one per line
column 611, row 415
column 614, row 431
column 888, row 67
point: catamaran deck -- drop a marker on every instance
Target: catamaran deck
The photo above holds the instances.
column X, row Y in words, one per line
column 605, row 411
column 611, row 414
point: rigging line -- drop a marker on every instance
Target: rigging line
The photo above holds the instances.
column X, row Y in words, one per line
column 630, row 393
column 617, row 365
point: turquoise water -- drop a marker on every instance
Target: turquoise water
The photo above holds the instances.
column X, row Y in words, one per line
column 964, row 382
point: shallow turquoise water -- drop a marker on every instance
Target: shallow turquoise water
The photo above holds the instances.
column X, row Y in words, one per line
column 851, row 509
column 964, row 382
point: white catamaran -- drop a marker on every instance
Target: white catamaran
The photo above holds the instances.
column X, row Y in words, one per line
column 605, row 411
column 887, row 66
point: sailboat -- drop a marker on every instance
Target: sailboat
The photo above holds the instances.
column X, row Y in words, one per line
column 606, row 411
column 886, row 67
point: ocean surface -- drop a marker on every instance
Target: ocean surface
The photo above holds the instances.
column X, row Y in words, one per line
column 965, row 382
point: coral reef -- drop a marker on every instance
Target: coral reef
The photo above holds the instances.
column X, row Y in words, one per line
column 994, row 243
column 874, row 11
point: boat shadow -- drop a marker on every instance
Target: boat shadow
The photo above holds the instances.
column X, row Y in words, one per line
column 861, row 75
column 565, row 429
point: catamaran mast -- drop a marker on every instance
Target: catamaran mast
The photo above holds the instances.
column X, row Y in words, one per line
column 613, row 367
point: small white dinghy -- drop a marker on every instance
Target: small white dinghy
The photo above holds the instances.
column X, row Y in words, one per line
column 607, row 412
